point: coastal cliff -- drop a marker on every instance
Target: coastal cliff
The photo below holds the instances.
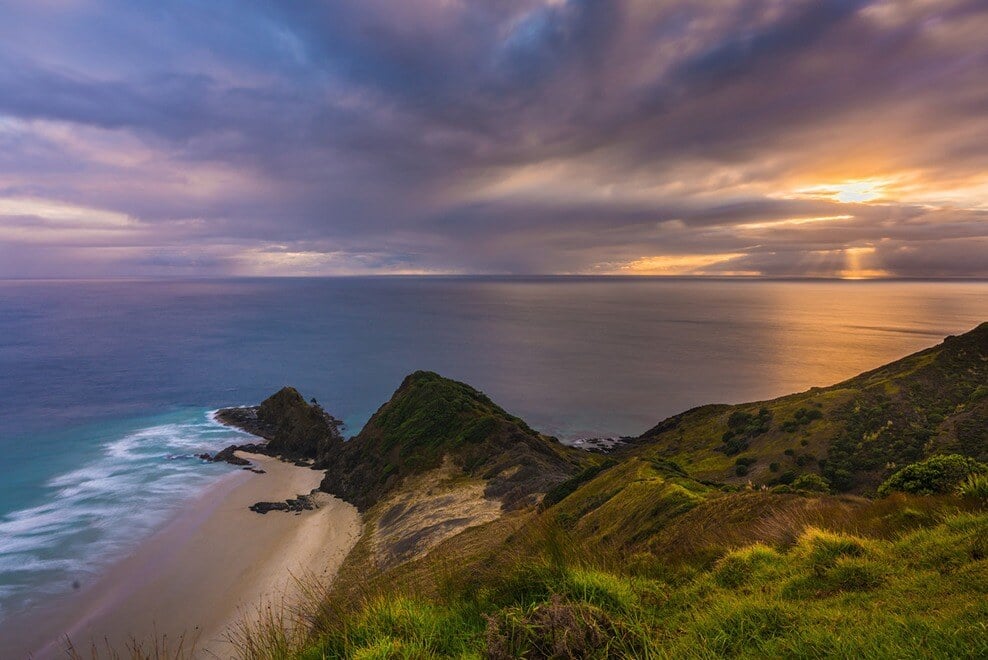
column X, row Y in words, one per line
column 713, row 534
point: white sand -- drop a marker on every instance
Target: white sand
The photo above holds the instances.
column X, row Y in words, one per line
column 213, row 564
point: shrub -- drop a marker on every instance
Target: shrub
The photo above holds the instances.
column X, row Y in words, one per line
column 811, row 482
column 742, row 464
column 805, row 459
column 801, row 417
column 742, row 427
column 786, row 477
column 938, row 474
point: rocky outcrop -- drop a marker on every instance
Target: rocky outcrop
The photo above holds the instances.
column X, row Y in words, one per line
column 294, row 429
column 297, row 505
column 226, row 456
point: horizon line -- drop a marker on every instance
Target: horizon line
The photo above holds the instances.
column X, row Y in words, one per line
column 507, row 276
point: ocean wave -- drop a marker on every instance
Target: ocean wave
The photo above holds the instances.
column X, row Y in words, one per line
column 94, row 513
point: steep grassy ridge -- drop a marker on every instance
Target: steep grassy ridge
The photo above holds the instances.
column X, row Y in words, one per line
column 430, row 418
column 854, row 433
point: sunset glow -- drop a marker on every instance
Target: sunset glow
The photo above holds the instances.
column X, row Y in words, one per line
column 775, row 139
column 683, row 264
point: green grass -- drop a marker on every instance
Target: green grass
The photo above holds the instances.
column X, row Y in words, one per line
column 909, row 591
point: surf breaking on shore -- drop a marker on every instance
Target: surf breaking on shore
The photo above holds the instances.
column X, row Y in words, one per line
column 92, row 514
column 213, row 563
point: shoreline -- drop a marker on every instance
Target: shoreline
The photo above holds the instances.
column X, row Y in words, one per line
column 212, row 564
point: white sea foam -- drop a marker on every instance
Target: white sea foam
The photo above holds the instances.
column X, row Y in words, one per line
column 93, row 513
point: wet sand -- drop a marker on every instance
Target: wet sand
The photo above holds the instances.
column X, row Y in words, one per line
column 213, row 564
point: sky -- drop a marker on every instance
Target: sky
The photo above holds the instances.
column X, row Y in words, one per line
column 772, row 138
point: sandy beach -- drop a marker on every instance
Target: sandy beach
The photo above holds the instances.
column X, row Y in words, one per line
column 213, row 564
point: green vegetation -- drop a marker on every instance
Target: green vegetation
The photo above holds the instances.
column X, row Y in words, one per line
column 741, row 465
column 430, row 419
column 563, row 490
column 676, row 546
column 742, row 427
column 938, row 474
column 975, row 487
column 802, row 417
column 855, row 434
column 811, row 482
column 909, row 591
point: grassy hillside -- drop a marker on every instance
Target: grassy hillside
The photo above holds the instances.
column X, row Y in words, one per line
column 854, row 433
column 664, row 549
column 763, row 575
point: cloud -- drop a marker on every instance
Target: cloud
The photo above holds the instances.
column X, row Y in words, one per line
column 749, row 137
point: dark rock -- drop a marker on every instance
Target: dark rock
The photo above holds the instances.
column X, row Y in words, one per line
column 227, row 455
column 600, row 445
column 294, row 429
column 264, row 507
column 297, row 505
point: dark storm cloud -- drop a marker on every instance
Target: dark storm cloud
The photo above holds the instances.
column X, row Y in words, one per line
column 517, row 136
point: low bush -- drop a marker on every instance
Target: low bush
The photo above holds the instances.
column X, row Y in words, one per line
column 811, row 482
column 939, row 474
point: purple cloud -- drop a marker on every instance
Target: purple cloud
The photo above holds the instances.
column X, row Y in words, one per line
column 556, row 136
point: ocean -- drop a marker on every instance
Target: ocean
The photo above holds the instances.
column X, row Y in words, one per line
column 106, row 387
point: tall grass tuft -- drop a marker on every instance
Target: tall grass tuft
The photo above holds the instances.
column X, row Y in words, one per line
column 158, row 647
column 975, row 487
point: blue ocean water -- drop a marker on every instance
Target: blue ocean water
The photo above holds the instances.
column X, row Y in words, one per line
column 106, row 386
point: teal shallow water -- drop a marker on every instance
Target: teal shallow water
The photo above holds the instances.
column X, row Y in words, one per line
column 105, row 386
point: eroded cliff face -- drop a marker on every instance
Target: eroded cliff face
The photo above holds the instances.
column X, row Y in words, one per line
column 438, row 458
